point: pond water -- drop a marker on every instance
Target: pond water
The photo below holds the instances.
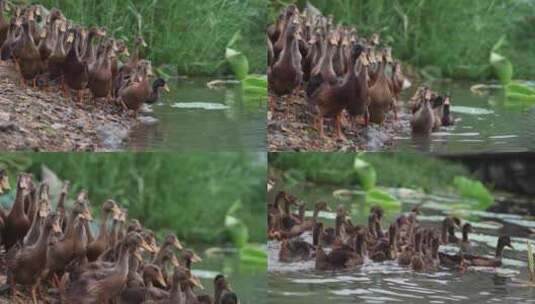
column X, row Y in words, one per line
column 486, row 123
column 247, row 280
column 193, row 117
column 300, row 283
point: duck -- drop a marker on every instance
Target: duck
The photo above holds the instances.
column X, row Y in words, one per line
column 447, row 118
column 343, row 257
column 448, row 230
column 49, row 37
column 27, row 54
column 151, row 274
column 496, row 261
column 89, row 53
column 99, row 282
column 417, row 261
column 158, row 85
column 98, row 246
column 16, row 222
column 183, row 281
column 8, row 47
column 100, row 74
column 307, row 224
column 381, row 96
column 39, row 214
column 423, row 120
column 465, row 244
column 286, row 74
column 330, row 100
column 358, row 106
column 295, row 250
column 222, row 291
column 4, row 25
column 137, row 90
column 75, row 69
column 57, row 57
column 323, row 72
column 27, row 264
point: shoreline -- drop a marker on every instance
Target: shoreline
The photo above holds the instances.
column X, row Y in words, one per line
column 38, row 120
column 296, row 132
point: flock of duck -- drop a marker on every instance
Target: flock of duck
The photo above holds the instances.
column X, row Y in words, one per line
column 57, row 252
column 342, row 73
column 406, row 240
column 47, row 49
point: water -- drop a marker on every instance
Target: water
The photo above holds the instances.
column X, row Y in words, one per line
column 194, row 118
column 487, row 123
column 248, row 281
column 299, row 283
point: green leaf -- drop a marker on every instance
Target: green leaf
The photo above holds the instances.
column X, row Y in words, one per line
column 503, row 68
column 382, row 198
column 515, row 87
column 365, row 172
column 238, row 63
column 473, row 189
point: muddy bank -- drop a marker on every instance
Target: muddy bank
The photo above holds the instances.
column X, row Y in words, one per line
column 295, row 132
column 32, row 119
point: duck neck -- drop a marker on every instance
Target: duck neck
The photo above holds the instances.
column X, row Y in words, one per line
column 316, row 235
column 2, row 18
column 359, row 244
column 103, row 232
column 465, row 236
column 18, row 205
column 499, row 251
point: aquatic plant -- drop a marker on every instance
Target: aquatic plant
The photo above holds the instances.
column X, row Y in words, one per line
column 475, row 190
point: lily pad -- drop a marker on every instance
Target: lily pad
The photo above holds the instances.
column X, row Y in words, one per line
column 377, row 196
column 254, row 254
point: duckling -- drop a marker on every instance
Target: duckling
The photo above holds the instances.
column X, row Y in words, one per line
column 423, row 119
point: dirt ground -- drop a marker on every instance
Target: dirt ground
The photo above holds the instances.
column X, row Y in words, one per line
column 36, row 120
column 295, row 132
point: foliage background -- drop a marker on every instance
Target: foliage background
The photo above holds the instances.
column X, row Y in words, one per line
column 189, row 35
column 186, row 193
column 450, row 38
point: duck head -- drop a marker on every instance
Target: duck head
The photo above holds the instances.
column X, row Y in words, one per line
column 172, row 240
column 152, row 273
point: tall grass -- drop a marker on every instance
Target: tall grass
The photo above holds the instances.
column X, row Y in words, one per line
column 455, row 36
column 185, row 193
column 190, row 35
column 408, row 170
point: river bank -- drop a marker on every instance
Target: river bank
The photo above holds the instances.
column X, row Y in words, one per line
column 33, row 119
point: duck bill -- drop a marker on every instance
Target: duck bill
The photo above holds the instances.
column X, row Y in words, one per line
column 56, row 227
column 87, row 215
column 126, row 52
column 178, row 245
column 166, row 88
column 196, row 282
column 146, row 246
column 161, row 280
column 174, row 261
column 195, row 258
column 70, row 38
column 138, row 256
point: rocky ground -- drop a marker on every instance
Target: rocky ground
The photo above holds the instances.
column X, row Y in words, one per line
column 296, row 132
column 32, row 119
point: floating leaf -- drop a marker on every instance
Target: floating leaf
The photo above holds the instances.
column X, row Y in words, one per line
column 365, row 172
column 254, row 254
column 503, row 68
column 473, row 189
column 382, row 198
column 238, row 63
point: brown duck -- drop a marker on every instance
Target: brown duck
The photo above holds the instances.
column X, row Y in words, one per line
column 98, row 246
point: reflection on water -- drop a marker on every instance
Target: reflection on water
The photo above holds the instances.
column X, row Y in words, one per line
column 248, row 281
column 193, row 117
column 486, row 123
column 299, row 283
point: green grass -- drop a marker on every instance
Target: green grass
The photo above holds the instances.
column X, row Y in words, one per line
column 185, row 193
column 415, row 171
column 453, row 36
column 189, row 35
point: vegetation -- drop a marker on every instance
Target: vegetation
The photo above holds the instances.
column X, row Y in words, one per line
column 190, row 194
column 447, row 38
column 392, row 169
column 189, row 35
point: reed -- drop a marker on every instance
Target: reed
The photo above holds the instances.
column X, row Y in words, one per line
column 189, row 194
column 453, row 38
column 189, row 35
